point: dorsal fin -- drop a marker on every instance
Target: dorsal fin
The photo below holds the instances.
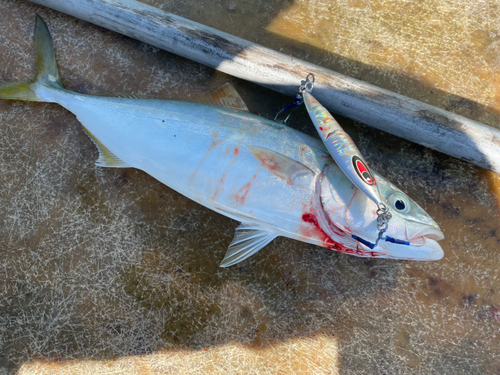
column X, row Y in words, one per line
column 289, row 170
column 226, row 96
column 248, row 239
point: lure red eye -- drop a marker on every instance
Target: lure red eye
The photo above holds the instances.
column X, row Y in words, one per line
column 362, row 170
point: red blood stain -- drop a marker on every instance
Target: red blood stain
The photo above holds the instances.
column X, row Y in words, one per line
column 219, row 186
column 214, row 135
column 359, row 252
column 269, row 162
column 213, row 145
column 328, row 135
column 241, row 195
column 236, row 151
column 328, row 242
column 318, row 232
column 326, row 129
column 302, row 149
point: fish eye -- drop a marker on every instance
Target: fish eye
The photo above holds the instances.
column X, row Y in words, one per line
column 399, row 203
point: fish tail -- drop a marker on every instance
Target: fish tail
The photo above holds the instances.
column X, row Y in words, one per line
column 47, row 73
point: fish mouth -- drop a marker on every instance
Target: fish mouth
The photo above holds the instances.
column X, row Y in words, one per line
column 423, row 245
column 416, row 232
column 422, row 249
column 429, row 250
column 424, row 240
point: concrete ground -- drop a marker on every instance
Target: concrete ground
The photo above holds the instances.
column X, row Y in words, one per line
column 108, row 271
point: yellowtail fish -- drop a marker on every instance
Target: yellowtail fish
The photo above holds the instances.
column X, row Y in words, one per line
column 273, row 179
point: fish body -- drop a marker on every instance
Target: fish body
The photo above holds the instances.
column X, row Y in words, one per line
column 273, row 179
column 203, row 152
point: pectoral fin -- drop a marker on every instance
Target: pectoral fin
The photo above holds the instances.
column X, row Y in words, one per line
column 289, row 170
column 248, row 239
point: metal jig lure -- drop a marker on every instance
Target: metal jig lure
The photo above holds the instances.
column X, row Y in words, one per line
column 347, row 156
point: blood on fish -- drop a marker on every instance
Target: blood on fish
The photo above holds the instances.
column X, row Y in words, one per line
column 359, row 252
column 236, row 151
column 214, row 135
column 241, row 195
column 214, row 143
column 329, row 243
column 219, row 186
column 269, row 162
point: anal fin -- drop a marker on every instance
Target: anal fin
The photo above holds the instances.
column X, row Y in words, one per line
column 106, row 157
column 248, row 239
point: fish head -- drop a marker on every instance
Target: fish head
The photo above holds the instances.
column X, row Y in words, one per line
column 410, row 223
column 412, row 233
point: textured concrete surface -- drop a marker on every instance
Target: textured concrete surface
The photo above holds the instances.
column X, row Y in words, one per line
column 109, row 271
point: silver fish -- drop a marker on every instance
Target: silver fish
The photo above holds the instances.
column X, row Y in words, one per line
column 273, row 179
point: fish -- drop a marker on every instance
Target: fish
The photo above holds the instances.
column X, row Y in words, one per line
column 273, row 179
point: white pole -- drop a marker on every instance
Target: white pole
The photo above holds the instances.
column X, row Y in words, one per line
column 404, row 117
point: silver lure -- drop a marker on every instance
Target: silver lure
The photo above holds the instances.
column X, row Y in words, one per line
column 342, row 148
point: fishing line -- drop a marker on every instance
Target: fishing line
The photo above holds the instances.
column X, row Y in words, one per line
column 306, row 85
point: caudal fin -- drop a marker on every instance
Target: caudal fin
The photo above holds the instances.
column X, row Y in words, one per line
column 47, row 73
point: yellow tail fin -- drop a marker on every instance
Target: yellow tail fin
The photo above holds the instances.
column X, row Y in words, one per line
column 47, row 72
